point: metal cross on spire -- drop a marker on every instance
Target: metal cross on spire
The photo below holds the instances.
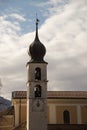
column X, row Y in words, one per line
column 37, row 20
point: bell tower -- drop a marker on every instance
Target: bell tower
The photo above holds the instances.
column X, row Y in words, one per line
column 37, row 86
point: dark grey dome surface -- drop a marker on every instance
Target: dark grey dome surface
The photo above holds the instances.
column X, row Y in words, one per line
column 36, row 49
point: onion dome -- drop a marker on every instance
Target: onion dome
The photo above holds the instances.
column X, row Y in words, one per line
column 36, row 49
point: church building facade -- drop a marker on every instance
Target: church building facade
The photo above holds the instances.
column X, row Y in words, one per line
column 63, row 107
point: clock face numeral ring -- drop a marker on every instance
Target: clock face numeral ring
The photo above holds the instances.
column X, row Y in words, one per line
column 38, row 105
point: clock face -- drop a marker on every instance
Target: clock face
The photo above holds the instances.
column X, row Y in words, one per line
column 38, row 105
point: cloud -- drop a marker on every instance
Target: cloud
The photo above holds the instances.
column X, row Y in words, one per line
column 10, row 57
column 1, row 83
column 17, row 17
column 64, row 35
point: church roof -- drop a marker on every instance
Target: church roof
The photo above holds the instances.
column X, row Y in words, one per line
column 54, row 94
column 67, row 94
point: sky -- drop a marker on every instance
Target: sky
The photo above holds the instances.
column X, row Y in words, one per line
column 63, row 31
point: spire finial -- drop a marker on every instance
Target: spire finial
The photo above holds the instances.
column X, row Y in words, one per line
column 37, row 50
column 37, row 21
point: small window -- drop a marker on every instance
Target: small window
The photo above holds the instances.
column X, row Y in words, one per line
column 66, row 117
column 37, row 91
column 38, row 74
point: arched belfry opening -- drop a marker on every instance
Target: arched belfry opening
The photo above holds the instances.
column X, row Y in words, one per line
column 37, row 91
column 37, row 73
